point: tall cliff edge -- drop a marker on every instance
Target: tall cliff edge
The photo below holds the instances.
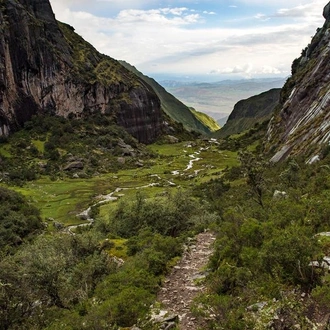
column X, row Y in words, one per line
column 301, row 124
column 45, row 67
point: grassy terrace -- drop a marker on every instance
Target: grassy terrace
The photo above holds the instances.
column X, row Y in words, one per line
column 63, row 199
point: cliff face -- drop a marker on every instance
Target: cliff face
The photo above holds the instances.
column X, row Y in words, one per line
column 46, row 68
column 247, row 113
column 174, row 108
column 302, row 124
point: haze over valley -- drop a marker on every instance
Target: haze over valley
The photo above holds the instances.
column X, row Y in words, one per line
column 217, row 99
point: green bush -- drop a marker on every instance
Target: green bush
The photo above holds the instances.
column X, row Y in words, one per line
column 18, row 219
column 168, row 215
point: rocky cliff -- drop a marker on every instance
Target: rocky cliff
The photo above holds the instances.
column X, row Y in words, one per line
column 174, row 108
column 247, row 113
column 45, row 67
column 302, row 123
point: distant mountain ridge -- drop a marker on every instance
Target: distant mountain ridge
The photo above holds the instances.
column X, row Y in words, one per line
column 218, row 99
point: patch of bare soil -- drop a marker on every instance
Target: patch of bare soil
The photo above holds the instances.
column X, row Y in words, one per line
column 181, row 286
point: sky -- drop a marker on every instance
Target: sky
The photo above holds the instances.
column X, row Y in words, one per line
column 215, row 40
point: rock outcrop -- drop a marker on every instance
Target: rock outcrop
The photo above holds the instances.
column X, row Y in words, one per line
column 46, row 68
column 302, row 124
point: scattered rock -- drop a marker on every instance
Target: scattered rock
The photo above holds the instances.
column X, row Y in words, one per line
column 327, row 234
column 58, row 225
column 325, row 263
column 127, row 150
column 121, row 160
column 77, row 165
column 42, row 165
column 313, row 160
column 256, row 307
column 279, row 194
column 169, row 326
column 172, row 139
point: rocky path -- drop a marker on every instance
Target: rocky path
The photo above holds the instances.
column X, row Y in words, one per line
column 180, row 288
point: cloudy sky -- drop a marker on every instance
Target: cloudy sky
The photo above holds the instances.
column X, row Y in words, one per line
column 215, row 39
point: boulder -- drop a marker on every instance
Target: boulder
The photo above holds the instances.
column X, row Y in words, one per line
column 58, row 225
column 172, row 139
column 279, row 194
column 121, row 160
column 78, row 165
column 127, row 150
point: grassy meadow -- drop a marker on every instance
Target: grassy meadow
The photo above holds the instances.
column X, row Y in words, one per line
column 63, row 199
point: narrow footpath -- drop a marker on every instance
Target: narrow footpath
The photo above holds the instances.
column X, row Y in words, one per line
column 180, row 287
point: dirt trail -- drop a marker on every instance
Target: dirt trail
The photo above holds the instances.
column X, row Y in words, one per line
column 180, row 287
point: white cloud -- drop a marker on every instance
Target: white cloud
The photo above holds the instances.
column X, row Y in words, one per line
column 174, row 39
column 157, row 16
column 209, row 12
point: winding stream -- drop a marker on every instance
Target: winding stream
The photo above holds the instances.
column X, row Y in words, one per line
column 86, row 214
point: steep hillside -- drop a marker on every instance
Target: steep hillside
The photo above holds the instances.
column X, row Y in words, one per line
column 248, row 112
column 206, row 120
column 302, row 124
column 46, row 68
column 171, row 105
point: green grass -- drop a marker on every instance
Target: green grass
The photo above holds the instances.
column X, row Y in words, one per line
column 206, row 120
column 40, row 145
column 63, row 199
column 120, row 249
column 5, row 150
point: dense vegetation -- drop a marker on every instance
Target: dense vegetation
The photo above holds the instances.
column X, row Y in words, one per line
column 55, row 146
column 262, row 276
column 73, row 280
column 18, row 220
column 106, row 275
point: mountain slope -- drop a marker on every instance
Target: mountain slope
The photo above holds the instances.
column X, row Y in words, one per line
column 302, row 124
column 46, row 68
column 206, row 120
column 248, row 112
column 171, row 105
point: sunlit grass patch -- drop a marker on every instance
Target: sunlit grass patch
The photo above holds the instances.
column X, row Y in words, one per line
column 40, row 145
column 119, row 249
column 5, row 150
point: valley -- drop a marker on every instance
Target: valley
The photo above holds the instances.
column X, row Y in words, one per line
column 122, row 208
column 174, row 168
column 219, row 98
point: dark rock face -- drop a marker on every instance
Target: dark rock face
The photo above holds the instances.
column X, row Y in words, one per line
column 302, row 125
column 41, row 73
column 247, row 113
column 326, row 11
